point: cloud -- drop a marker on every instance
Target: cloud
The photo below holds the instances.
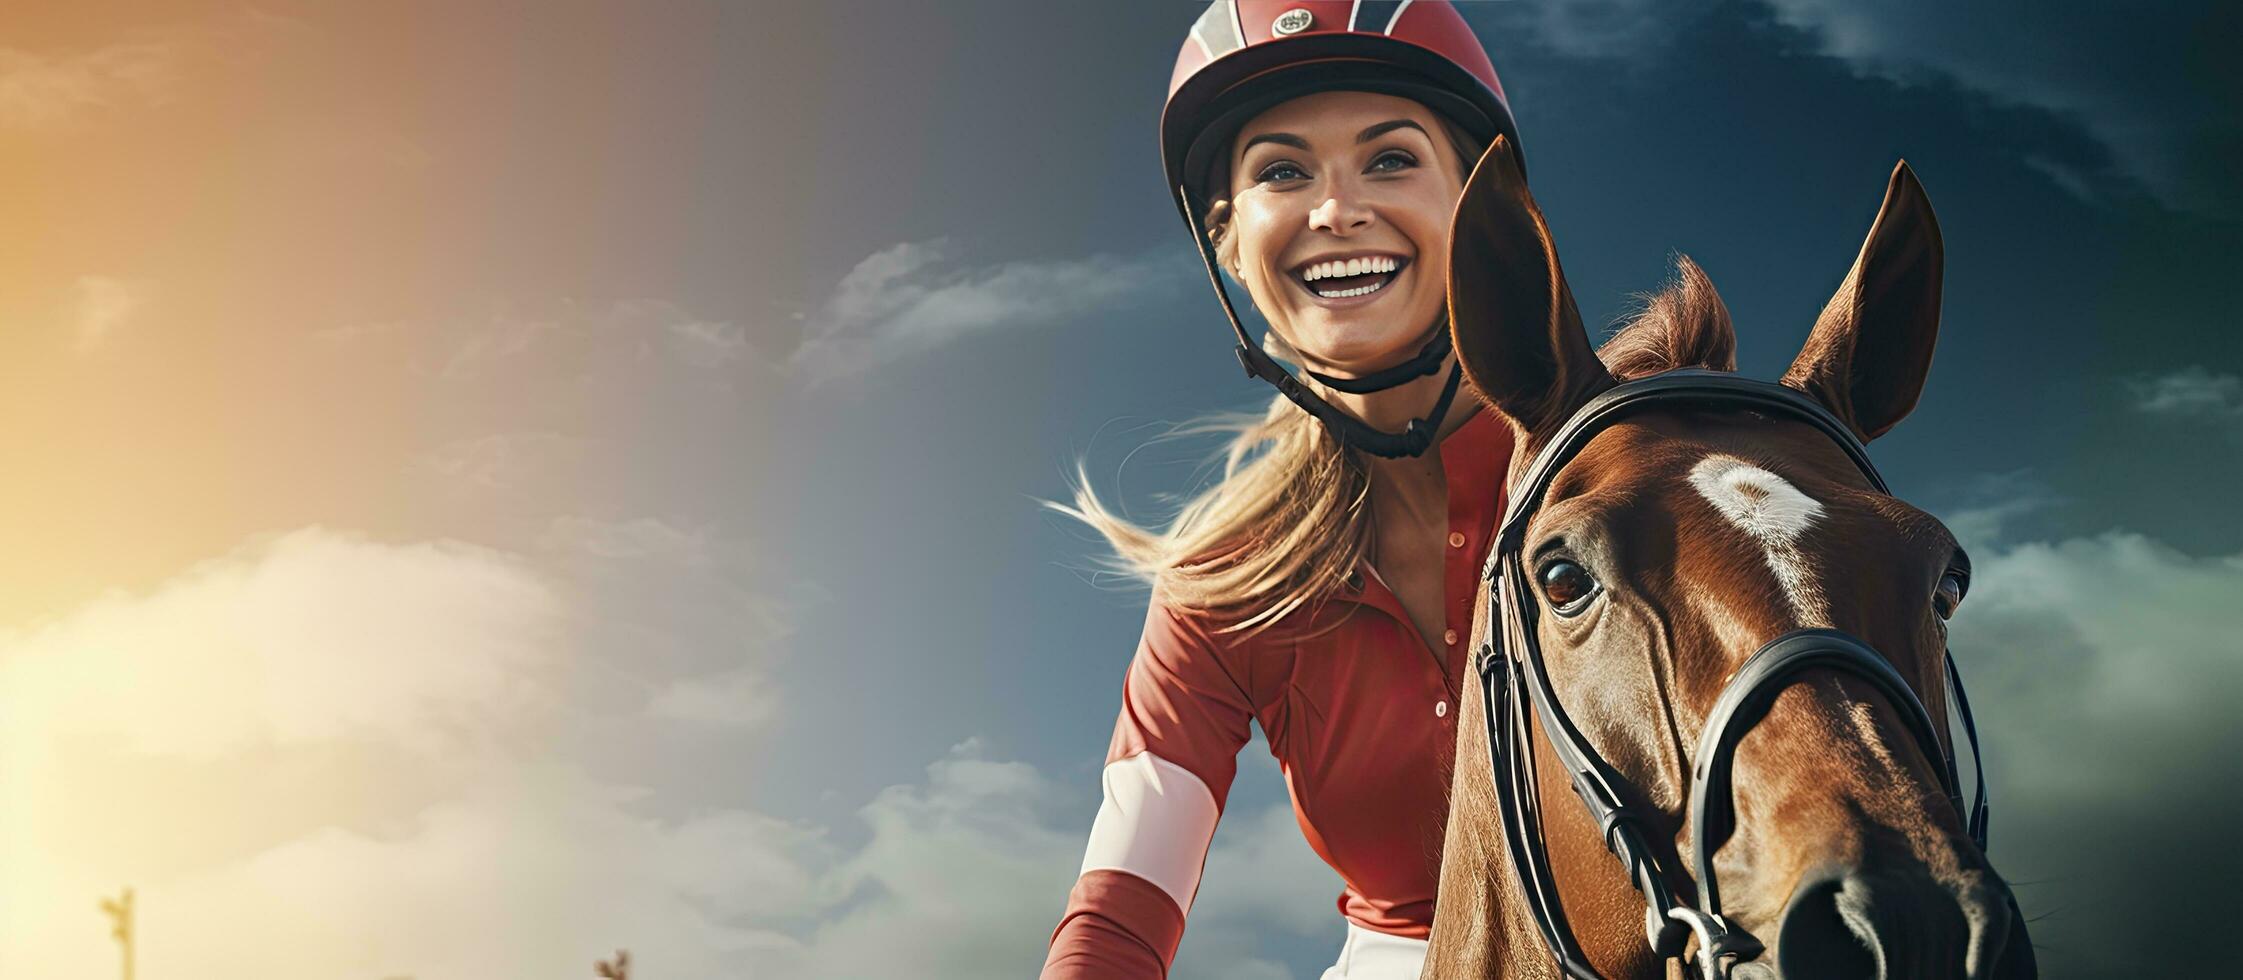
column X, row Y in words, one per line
column 513, row 462
column 2192, row 391
column 536, row 872
column 1994, row 505
column 2120, row 73
column 965, row 876
column 684, row 615
column 734, row 699
column 328, row 757
column 43, row 90
column 498, row 338
column 40, row 90
column 102, row 306
column 900, row 302
column 232, row 711
column 1601, row 28
column 307, row 636
column 691, row 580
column 2104, row 674
column 2108, row 69
column 640, row 537
column 627, row 339
column 952, row 881
column 1263, row 890
column 709, row 343
column 2105, row 677
column 598, row 345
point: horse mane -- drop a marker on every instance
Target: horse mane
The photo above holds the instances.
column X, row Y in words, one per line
column 1684, row 325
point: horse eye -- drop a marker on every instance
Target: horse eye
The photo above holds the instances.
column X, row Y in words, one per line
column 1950, row 594
column 1567, row 586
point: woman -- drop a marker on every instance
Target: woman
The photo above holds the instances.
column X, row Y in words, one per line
column 1323, row 589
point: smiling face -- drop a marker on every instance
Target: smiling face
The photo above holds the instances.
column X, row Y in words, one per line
column 1340, row 208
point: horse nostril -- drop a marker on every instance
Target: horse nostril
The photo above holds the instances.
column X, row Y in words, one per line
column 1999, row 946
column 1817, row 939
column 2017, row 961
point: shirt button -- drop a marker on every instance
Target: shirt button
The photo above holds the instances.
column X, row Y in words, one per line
column 1440, row 709
column 1449, row 637
column 1456, row 539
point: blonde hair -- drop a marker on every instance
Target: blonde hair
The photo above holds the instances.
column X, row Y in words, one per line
column 1286, row 524
column 1289, row 521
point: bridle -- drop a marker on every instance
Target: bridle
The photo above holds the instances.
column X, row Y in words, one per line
column 1512, row 676
column 1668, row 922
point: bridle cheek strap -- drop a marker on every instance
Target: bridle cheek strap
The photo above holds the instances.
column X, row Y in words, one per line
column 1511, row 690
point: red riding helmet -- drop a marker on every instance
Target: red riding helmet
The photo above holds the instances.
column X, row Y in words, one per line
column 1245, row 56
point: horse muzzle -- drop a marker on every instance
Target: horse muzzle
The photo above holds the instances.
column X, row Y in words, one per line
column 1857, row 924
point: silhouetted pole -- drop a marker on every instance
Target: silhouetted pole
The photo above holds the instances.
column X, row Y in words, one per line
column 618, row 968
column 120, row 917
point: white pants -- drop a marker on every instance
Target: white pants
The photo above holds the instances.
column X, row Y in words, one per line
column 1372, row 955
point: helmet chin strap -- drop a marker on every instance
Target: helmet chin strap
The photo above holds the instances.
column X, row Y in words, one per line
column 1427, row 361
column 1349, row 430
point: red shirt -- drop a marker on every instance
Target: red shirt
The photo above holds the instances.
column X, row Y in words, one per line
column 1361, row 718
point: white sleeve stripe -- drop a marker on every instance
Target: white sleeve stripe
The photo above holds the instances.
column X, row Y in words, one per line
column 1155, row 823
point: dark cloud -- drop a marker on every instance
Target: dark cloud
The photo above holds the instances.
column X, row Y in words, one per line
column 2105, row 677
column 2141, row 82
column 2133, row 76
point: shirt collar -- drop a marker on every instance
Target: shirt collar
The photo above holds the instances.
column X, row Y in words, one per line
column 1474, row 459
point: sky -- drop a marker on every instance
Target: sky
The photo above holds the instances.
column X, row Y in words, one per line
column 492, row 484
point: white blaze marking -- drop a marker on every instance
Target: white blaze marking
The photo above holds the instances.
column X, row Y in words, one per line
column 1774, row 513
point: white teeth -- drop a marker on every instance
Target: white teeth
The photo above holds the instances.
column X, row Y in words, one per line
column 1349, row 267
column 1357, row 291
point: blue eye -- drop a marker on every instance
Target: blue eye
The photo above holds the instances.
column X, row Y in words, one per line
column 1276, row 170
column 1404, row 161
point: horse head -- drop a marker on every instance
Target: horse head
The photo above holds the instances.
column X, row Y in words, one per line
column 1658, row 554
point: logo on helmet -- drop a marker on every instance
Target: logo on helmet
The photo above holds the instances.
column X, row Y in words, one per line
column 1292, row 21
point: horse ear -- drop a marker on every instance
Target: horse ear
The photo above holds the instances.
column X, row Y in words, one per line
column 1870, row 350
column 1511, row 314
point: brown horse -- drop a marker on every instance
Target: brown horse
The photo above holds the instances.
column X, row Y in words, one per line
column 1678, row 541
